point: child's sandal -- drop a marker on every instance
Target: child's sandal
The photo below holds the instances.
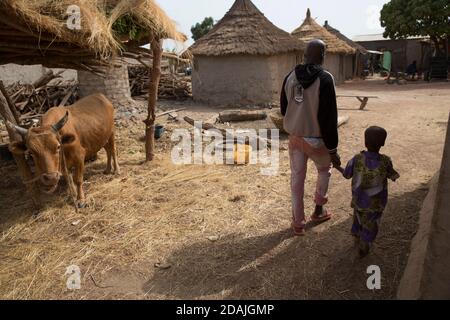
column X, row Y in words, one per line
column 322, row 217
column 364, row 249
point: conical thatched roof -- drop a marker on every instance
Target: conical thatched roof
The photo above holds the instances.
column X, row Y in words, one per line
column 245, row 30
column 36, row 31
column 351, row 43
column 310, row 30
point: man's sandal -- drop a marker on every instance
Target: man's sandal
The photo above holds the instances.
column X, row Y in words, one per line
column 298, row 231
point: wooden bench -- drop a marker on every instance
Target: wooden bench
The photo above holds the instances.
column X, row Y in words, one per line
column 363, row 99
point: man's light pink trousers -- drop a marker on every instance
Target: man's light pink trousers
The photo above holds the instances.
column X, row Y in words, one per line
column 299, row 152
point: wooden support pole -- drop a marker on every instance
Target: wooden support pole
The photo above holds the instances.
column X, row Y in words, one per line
column 363, row 102
column 21, row 162
column 11, row 104
column 155, row 74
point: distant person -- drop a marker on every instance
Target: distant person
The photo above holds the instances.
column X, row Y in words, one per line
column 369, row 172
column 308, row 104
column 411, row 70
column 371, row 66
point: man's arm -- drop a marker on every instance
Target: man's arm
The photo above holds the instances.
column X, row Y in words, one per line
column 283, row 97
column 328, row 114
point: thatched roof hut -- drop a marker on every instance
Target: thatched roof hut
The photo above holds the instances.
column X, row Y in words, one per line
column 39, row 32
column 360, row 51
column 340, row 56
column 310, row 30
column 243, row 59
column 341, row 36
column 245, row 30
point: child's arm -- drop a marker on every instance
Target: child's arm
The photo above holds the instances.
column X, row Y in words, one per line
column 391, row 172
column 347, row 173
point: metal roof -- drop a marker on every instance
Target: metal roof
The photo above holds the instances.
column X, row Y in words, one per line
column 378, row 37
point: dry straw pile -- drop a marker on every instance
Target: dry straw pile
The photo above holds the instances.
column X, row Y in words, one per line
column 36, row 31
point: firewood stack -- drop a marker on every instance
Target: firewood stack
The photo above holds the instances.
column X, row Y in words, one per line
column 3, row 134
column 33, row 100
column 171, row 86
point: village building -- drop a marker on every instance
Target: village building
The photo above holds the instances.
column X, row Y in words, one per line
column 243, row 59
column 339, row 58
column 403, row 51
column 357, row 67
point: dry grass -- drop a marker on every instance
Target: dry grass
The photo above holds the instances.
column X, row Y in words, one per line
column 149, row 15
column 96, row 34
column 50, row 16
column 218, row 231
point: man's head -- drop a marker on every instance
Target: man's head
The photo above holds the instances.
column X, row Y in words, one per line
column 375, row 138
column 315, row 52
column 44, row 145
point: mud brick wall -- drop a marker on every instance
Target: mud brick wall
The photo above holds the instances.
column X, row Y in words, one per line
column 115, row 85
column 427, row 274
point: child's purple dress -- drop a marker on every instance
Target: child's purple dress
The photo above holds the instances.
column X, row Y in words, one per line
column 369, row 172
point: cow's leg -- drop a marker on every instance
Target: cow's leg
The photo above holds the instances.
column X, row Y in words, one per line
column 78, row 180
column 115, row 155
column 108, row 157
column 111, row 151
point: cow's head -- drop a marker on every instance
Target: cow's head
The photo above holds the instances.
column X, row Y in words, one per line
column 44, row 145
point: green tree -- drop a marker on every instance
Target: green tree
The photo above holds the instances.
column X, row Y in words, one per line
column 201, row 29
column 407, row 18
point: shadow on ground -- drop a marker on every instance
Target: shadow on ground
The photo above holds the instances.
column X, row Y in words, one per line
column 321, row 265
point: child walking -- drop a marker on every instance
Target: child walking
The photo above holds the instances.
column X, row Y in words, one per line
column 369, row 172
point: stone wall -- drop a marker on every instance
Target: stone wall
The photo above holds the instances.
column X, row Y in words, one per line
column 115, row 85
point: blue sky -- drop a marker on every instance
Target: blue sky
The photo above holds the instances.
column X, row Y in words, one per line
column 351, row 17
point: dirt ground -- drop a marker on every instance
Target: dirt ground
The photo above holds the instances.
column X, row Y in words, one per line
column 222, row 232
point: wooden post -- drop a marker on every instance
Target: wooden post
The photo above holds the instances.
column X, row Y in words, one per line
column 363, row 102
column 11, row 104
column 22, row 164
column 155, row 74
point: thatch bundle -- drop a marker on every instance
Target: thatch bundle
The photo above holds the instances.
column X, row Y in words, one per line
column 310, row 30
column 36, row 31
column 148, row 15
column 245, row 30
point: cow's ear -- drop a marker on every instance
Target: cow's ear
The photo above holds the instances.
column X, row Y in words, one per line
column 68, row 138
column 17, row 147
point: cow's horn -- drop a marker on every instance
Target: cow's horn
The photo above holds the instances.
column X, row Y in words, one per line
column 58, row 126
column 22, row 131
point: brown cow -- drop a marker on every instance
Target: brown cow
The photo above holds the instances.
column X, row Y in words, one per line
column 81, row 130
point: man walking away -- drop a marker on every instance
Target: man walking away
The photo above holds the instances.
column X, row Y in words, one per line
column 308, row 104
